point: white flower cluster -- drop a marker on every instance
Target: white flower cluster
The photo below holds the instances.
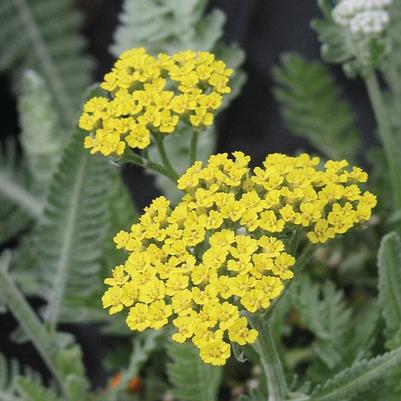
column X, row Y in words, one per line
column 363, row 16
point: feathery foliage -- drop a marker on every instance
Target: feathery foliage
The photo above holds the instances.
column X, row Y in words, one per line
column 18, row 205
column 144, row 345
column 192, row 379
column 41, row 137
column 9, row 373
column 389, row 263
column 70, row 365
column 352, row 381
column 312, row 106
column 336, row 48
column 73, row 228
column 121, row 215
column 43, row 35
column 167, row 26
column 33, row 391
column 322, row 309
column 254, row 395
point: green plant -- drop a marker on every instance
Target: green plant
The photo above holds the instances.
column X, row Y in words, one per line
column 331, row 333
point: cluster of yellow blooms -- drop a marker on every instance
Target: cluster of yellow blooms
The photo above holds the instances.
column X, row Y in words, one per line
column 222, row 250
column 153, row 94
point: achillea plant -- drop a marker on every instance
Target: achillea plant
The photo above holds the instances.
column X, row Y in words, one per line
column 219, row 261
column 224, row 250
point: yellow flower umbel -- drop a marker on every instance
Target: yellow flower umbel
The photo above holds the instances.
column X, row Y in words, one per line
column 153, row 94
column 222, row 251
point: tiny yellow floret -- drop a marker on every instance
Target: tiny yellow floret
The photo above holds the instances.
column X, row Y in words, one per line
column 146, row 94
column 223, row 252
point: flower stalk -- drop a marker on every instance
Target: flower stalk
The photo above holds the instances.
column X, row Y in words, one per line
column 390, row 142
column 265, row 346
column 29, row 322
column 272, row 366
column 140, row 161
column 164, row 157
column 194, row 147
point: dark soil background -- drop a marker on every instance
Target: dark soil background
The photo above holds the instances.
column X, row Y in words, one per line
column 264, row 29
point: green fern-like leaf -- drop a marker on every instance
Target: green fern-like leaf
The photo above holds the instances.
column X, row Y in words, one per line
column 193, row 380
column 70, row 365
column 312, row 107
column 43, row 35
column 167, row 26
column 144, row 345
column 347, row 384
column 30, row 390
column 10, row 371
column 323, row 311
column 18, row 205
column 41, row 135
column 254, row 395
column 389, row 262
column 121, row 215
column 73, row 229
column 336, row 47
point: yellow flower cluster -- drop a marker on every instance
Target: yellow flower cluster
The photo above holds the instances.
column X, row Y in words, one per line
column 223, row 249
column 149, row 94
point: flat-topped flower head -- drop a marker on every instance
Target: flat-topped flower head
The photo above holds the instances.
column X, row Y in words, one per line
column 223, row 251
column 153, row 94
column 363, row 16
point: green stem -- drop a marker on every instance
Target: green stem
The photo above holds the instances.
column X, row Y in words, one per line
column 194, row 147
column 163, row 155
column 296, row 239
column 390, row 143
column 271, row 363
column 29, row 322
column 142, row 349
column 146, row 163
column 265, row 345
column 304, row 257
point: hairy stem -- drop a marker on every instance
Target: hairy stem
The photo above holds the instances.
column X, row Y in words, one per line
column 139, row 356
column 390, row 142
column 140, row 161
column 269, row 358
column 164, row 157
column 265, row 345
column 194, row 147
column 28, row 320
